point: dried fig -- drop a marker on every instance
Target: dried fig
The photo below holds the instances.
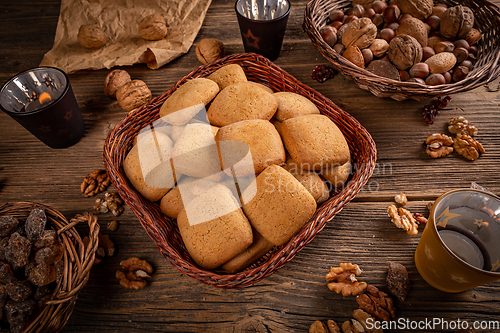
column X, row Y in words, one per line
column 398, row 281
column 361, row 32
column 456, row 22
column 153, row 27
column 91, row 36
column 404, row 51
column 133, row 94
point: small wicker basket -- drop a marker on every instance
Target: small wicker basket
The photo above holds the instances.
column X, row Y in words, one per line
column 78, row 261
column 164, row 232
column 485, row 70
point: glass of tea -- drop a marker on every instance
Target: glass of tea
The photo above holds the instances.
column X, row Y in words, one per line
column 43, row 102
column 459, row 248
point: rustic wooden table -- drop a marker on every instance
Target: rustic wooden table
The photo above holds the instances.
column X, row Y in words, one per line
column 296, row 295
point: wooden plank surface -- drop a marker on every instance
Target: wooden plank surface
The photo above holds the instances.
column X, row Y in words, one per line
column 296, row 295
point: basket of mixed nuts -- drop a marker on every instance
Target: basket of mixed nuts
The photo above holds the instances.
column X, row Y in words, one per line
column 408, row 48
column 43, row 266
column 166, row 230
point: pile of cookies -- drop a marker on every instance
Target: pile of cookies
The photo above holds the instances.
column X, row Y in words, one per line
column 240, row 167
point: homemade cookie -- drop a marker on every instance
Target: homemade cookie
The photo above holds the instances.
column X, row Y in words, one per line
column 241, row 101
column 214, row 228
column 173, row 202
column 188, row 100
column 280, row 207
column 260, row 136
column 292, row 105
column 228, row 75
column 314, row 141
column 309, row 179
column 147, row 165
column 337, row 174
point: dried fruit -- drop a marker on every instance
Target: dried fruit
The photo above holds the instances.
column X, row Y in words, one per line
column 35, row 224
column 322, row 73
column 438, row 145
column 50, row 254
column 18, row 290
column 114, row 80
column 47, row 238
column 91, row 36
column 133, row 94
column 17, row 251
column 95, row 182
column 18, row 313
column 42, row 274
column 460, row 125
column 468, row 147
column 377, row 303
column 209, row 49
column 6, row 273
column 430, row 111
column 7, row 225
column 153, row 27
column 112, row 225
column 398, row 281
column 345, row 279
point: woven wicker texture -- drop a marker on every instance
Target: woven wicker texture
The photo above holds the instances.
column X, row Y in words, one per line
column 163, row 231
column 485, row 70
column 77, row 262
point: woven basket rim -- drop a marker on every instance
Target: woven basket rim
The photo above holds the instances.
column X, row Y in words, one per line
column 77, row 259
column 485, row 70
column 158, row 226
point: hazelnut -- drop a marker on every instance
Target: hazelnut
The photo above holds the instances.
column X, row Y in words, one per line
column 356, row 10
column 339, row 48
column 393, row 25
column 456, row 22
column 209, row 49
column 461, row 54
column 391, row 13
column 447, row 76
column 114, row 80
column 349, row 19
column 329, row 34
column 387, row 34
column 336, row 24
column 420, row 70
column 378, row 20
column 404, row 17
column 466, row 63
column 444, row 46
column 459, row 73
column 379, row 6
column 473, row 50
column 153, row 27
column 370, row 13
column 461, row 43
column 433, row 21
column 133, row 94
column 336, row 15
column 416, row 80
column 439, row 10
column 367, row 55
column 91, row 36
column 404, row 75
column 435, row 79
column 427, row 52
column 379, row 47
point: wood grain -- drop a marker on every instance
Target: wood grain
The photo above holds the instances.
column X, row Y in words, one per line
column 296, row 295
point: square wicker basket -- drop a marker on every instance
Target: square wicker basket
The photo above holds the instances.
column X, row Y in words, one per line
column 163, row 230
column 78, row 260
column 485, row 70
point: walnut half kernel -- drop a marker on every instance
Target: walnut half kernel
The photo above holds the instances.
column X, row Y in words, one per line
column 438, row 145
column 345, row 280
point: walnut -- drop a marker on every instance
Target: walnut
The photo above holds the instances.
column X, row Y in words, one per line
column 404, row 51
column 403, row 219
column 401, row 199
column 420, row 9
column 377, row 303
column 112, row 225
column 361, row 32
column 415, row 28
column 362, row 317
column 352, row 326
column 111, row 202
column 134, row 274
column 153, row 27
column 468, row 147
column 460, row 125
column 319, row 327
column 95, row 182
column 114, row 80
column 398, row 281
column 133, row 94
column 209, row 49
column 345, row 277
column 438, row 145
column 91, row 36
column 456, row 22
column 419, row 218
column 107, row 244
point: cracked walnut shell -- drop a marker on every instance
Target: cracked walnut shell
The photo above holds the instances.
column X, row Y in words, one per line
column 345, row 277
column 209, row 49
column 361, row 32
column 468, row 147
column 133, row 94
column 91, row 36
column 153, row 27
column 438, row 145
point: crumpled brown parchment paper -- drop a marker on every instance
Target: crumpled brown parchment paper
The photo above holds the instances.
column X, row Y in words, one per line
column 119, row 19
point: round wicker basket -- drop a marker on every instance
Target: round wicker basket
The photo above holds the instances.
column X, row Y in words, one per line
column 78, row 261
column 163, row 231
column 485, row 70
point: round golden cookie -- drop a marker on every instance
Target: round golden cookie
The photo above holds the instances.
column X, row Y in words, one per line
column 292, row 105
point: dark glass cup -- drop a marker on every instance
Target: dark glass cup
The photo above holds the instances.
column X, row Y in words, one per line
column 262, row 25
column 42, row 101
